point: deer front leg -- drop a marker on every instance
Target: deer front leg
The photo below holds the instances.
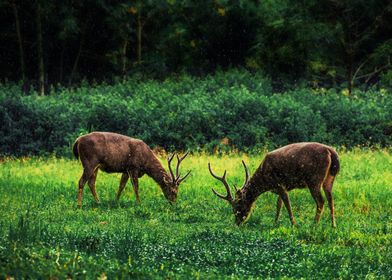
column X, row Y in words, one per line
column 278, row 207
column 285, row 197
column 123, row 183
column 318, row 198
column 135, row 184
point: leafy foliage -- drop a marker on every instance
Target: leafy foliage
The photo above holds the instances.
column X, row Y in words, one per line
column 229, row 110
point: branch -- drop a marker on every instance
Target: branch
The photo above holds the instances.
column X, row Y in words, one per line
column 359, row 68
column 376, row 71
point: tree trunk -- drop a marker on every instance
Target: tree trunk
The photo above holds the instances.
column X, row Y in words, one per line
column 20, row 43
column 349, row 52
column 61, row 70
column 139, row 37
column 350, row 73
column 124, row 59
column 40, row 53
column 76, row 62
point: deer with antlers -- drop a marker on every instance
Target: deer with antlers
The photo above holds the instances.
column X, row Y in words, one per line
column 300, row 165
column 116, row 153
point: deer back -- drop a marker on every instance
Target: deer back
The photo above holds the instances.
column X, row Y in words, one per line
column 296, row 165
column 114, row 152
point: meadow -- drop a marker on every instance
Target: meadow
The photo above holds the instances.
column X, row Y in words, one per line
column 44, row 235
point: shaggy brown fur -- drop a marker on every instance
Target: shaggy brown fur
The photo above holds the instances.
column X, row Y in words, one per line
column 299, row 165
column 116, row 153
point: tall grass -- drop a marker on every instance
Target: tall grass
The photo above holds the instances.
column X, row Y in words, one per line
column 45, row 236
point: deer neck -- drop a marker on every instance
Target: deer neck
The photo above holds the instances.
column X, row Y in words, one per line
column 156, row 171
column 245, row 199
column 254, row 188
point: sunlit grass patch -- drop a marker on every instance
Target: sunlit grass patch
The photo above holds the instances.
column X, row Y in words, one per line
column 44, row 235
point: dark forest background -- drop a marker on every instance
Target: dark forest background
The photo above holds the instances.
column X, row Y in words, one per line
column 195, row 75
column 327, row 43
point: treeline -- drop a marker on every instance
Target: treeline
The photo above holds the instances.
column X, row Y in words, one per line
column 326, row 43
column 231, row 110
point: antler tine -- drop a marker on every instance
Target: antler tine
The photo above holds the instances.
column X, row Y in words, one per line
column 215, row 176
column 184, row 156
column 178, row 167
column 228, row 197
column 221, row 196
column 183, row 178
column 179, row 160
column 169, row 160
column 246, row 173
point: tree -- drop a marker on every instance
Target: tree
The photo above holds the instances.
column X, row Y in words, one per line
column 20, row 41
column 40, row 52
column 68, row 32
column 360, row 39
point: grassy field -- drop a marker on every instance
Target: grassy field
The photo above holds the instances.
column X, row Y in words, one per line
column 43, row 235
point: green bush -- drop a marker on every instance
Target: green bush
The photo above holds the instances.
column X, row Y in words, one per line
column 193, row 113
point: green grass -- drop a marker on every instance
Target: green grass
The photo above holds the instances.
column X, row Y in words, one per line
column 43, row 235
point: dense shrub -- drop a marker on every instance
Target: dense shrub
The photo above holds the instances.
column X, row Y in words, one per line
column 229, row 110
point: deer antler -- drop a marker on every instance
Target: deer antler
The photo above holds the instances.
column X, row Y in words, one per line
column 176, row 178
column 169, row 160
column 246, row 173
column 228, row 196
column 179, row 160
column 183, row 178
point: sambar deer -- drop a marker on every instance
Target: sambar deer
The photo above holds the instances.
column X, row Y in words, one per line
column 299, row 165
column 116, row 153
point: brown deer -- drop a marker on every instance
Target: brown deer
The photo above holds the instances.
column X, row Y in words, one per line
column 299, row 165
column 116, row 153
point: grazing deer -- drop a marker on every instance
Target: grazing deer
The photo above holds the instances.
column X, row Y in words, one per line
column 116, row 153
column 299, row 165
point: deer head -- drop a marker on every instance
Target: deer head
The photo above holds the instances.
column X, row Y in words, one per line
column 172, row 182
column 241, row 208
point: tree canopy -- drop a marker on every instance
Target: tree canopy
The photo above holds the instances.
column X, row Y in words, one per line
column 324, row 43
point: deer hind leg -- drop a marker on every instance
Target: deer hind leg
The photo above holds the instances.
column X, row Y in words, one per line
column 91, row 184
column 278, row 207
column 286, row 200
column 87, row 173
column 123, row 183
column 135, row 184
column 327, row 186
column 318, row 198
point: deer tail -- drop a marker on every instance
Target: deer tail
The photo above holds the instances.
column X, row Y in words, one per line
column 335, row 164
column 75, row 149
